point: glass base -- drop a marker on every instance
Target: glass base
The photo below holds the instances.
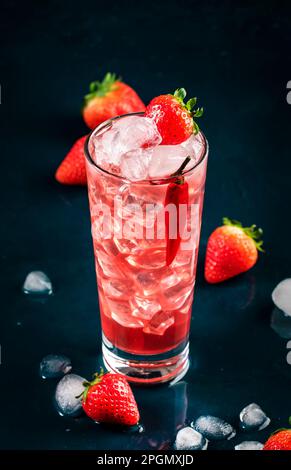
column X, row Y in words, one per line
column 147, row 370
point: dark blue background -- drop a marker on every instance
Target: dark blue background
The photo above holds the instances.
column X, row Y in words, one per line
column 235, row 56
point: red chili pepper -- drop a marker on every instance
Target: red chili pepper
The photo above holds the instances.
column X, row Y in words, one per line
column 177, row 194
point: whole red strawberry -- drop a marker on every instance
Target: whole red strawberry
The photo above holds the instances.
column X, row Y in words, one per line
column 108, row 99
column 232, row 249
column 281, row 440
column 173, row 117
column 109, row 399
column 72, row 170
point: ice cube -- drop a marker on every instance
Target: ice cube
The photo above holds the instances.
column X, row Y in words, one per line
column 166, row 160
column 54, row 365
column 137, row 132
column 67, row 396
column 214, row 428
column 159, row 323
column 116, row 288
column 176, row 296
column 121, row 312
column 184, row 258
column 169, row 278
column 134, row 164
column 186, row 307
column 189, row 439
column 150, row 259
column 194, row 146
column 127, row 246
column 253, row 417
column 281, row 296
column 131, row 207
column 145, row 308
column 281, row 323
column 249, row 445
column 112, row 148
column 124, row 135
column 107, row 265
column 37, row 282
column 147, row 282
column 109, row 247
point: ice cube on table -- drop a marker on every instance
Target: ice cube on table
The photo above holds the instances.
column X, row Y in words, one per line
column 67, row 396
column 253, row 417
column 213, row 428
column 54, row 365
column 281, row 296
column 37, row 282
column 249, row 445
column 281, row 323
column 189, row 439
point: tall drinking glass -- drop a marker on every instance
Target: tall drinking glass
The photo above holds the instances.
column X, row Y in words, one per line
column 145, row 294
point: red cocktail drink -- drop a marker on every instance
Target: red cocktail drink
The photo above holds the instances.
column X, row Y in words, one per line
column 145, row 279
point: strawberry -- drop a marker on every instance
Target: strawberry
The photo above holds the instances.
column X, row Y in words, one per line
column 231, row 250
column 280, row 440
column 109, row 399
column 173, row 117
column 72, row 170
column 108, row 99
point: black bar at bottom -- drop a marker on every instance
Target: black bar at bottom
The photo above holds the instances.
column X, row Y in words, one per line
column 133, row 459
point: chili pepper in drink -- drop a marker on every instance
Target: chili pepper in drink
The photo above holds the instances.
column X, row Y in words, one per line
column 177, row 197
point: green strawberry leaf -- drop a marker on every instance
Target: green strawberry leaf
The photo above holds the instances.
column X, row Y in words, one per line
column 253, row 231
column 180, row 93
column 198, row 112
column 191, row 103
column 87, row 385
column 97, row 88
column 196, row 127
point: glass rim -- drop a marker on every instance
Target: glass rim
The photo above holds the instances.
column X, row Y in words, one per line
column 161, row 180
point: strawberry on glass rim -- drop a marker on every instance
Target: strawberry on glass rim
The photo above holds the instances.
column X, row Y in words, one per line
column 173, row 117
column 175, row 122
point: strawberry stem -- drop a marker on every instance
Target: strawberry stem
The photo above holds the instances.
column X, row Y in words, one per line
column 180, row 95
column 97, row 88
column 253, row 231
column 96, row 380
